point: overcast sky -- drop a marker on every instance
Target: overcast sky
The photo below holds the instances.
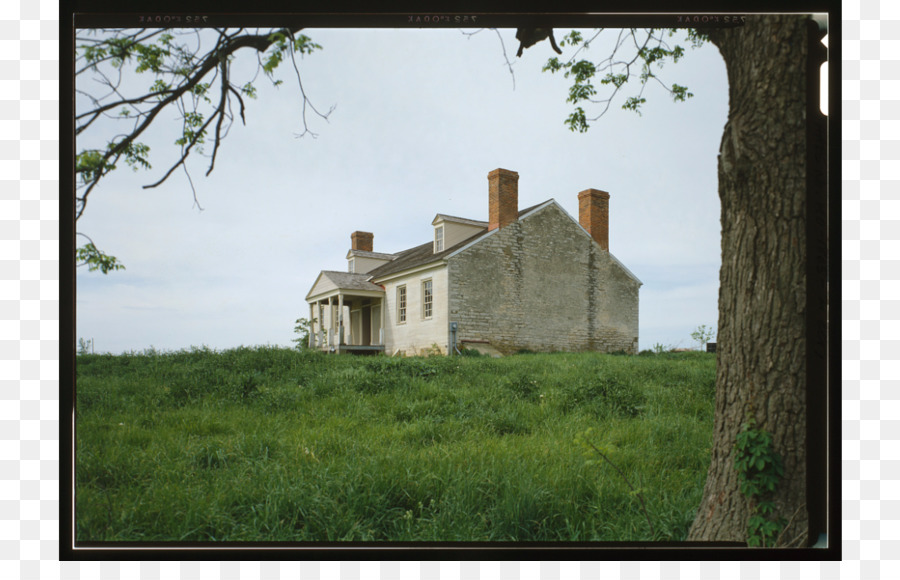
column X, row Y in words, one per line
column 420, row 118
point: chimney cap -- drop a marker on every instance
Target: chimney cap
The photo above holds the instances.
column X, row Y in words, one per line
column 502, row 171
column 361, row 240
column 594, row 193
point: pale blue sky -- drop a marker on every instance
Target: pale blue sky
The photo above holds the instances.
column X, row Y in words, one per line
column 421, row 117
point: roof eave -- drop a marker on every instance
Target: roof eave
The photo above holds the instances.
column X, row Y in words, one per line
column 412, row 270
column 371, row 255
column 490, row 233
column 311, row 298
column 316, row 283
column 464, row 221
column 588, row 234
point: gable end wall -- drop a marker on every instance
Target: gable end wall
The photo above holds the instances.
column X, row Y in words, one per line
column 541, row 284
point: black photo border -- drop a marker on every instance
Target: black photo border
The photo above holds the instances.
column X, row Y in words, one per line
column 823, row 365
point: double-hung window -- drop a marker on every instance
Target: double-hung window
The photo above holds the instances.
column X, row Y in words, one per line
column 401, row 304
column 427, row 299
column 438, row 239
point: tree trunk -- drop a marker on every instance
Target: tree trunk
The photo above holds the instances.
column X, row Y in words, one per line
column 762, row 334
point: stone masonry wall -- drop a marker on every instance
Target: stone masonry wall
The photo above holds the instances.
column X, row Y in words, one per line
column 542, row 284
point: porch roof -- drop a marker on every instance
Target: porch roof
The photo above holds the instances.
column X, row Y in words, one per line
column 331, row 282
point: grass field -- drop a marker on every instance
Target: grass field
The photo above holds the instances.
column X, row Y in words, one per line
column 271, row 444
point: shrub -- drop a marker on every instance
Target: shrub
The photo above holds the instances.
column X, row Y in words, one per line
column 471, row 352
column 520, row 385
column 608, row 397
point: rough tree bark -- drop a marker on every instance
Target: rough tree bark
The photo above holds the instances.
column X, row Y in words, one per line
column 762, row 334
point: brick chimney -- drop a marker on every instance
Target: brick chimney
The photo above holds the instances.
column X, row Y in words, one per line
column 593, row 215
column 362, row 241
column 503, row 198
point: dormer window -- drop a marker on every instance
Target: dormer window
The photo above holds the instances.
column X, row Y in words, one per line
column 438, row 239
column 351, row 265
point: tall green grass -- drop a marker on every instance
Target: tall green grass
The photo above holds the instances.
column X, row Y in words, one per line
column 270, row 444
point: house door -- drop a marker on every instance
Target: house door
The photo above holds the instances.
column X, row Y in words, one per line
column 366, row 334
column 376, row 324
column 355, row 326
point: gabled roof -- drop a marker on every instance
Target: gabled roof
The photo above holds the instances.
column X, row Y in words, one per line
column 475, row 239
column 424, row 254
column 613, row 258
column 418, row 256
column 459, row 220
column 332, row 280
column 367, row 254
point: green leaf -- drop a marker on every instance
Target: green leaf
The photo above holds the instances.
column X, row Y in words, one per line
column 159, row 86
column 94, row 259
column 136, row 155
column 150, row 57
column 577, row 121
column 634, row 104
column 766, row 507
column 272, row 62
column 249, row 90
column 580, row 92
column 583, row 70
column 93, row 54
column 91, row 165
column 552, row 65
column 304, row 45
column 617, row 80
column 573, row 38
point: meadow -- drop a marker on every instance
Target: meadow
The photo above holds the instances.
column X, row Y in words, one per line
column 270, row 444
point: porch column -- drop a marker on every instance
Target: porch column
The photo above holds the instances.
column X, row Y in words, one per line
column 312, row 327
column 341, row 319
column 383, row 317
column 320, row 324
column 330, row 322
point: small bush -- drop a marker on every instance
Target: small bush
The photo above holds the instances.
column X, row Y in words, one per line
column 471, row 352
column 608, row 397
column 520, row 385
column 245, row 386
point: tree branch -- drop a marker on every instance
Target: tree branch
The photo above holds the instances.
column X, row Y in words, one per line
column 502, row 48
column 225, row 47
column 223, row 98
column 306, row 100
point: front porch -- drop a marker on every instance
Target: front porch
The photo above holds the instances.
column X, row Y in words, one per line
column 346, row 314
column 358, row 349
